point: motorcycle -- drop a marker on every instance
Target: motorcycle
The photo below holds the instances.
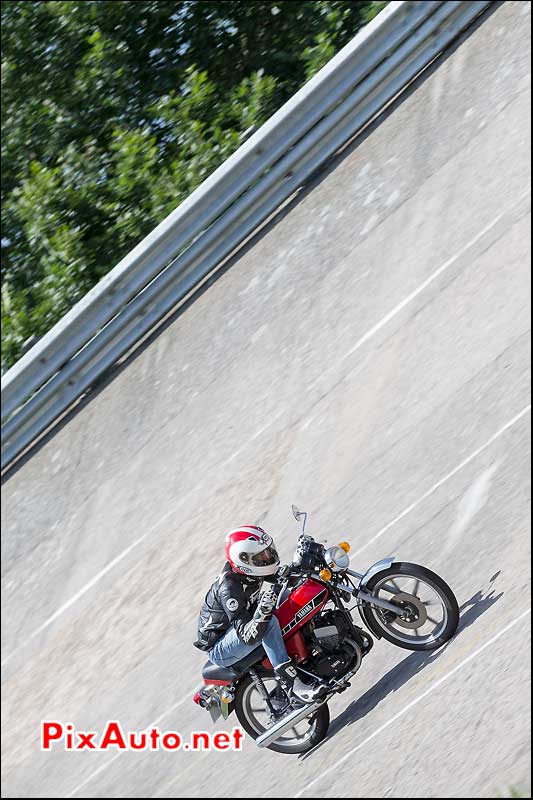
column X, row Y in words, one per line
column 406, row 604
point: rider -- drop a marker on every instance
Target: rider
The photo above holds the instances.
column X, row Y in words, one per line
column 237, row 617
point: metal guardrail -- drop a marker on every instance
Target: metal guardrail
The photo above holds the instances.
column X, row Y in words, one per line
column 221, row 213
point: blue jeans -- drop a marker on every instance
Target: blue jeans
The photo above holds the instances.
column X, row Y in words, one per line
column 229, row 649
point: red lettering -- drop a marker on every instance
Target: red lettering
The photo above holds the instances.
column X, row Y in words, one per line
column 171, row 741
column 154, row 735
column 50, row 732
column 221, row 741
column 138, row 746
column 69, row 743
column 86, row 741
column 238, row 736
column 113, row 736
column 200, row 735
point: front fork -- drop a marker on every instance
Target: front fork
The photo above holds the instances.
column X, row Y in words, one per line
column 379, row 566
column 371, row 599
column 377, row 601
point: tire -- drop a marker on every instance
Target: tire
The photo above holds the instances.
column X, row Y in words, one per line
column 320, row 722
column 375, row 617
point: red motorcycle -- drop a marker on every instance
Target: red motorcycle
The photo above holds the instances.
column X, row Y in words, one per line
column 406, row 604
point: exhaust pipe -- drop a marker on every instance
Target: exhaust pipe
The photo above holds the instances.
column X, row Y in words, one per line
column 273, row 734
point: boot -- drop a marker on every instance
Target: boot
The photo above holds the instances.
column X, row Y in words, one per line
column 294, row 685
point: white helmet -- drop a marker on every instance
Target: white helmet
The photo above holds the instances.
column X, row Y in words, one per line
column 251, row 551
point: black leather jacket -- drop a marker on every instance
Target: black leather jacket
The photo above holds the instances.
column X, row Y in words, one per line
column 231, row 600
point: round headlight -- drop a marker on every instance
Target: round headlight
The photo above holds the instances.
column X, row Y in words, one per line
column 337, row 559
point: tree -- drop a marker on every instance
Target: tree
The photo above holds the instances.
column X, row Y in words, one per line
column 114, row 111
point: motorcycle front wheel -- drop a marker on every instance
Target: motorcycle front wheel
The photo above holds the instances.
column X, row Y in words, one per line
column 430, row 610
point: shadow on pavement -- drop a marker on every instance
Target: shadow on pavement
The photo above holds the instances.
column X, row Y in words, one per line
column 393, row 680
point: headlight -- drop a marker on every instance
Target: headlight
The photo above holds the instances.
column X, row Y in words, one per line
column 337, row 559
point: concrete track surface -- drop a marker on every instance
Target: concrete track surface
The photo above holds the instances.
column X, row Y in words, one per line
column 366, row 358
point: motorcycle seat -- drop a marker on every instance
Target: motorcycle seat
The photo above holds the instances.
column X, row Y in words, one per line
column 212, row 672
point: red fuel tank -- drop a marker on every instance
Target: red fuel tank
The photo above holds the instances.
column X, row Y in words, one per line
column 300, row 606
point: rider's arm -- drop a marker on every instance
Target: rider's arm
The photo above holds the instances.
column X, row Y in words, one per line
column 250, row 629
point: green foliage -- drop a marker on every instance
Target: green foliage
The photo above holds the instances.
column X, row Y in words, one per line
column 513, row 791
column 114, row 111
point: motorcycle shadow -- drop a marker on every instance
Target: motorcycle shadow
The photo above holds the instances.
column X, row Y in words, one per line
column 393, row 680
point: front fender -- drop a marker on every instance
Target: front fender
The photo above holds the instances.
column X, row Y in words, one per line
column 385, row 563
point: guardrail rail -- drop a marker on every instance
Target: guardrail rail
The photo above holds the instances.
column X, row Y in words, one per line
column 223, row 211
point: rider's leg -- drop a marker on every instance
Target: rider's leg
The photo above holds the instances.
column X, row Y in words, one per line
column 284, row 668
column 229, row 649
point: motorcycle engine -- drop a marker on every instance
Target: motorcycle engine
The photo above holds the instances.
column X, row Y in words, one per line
column 334, row 649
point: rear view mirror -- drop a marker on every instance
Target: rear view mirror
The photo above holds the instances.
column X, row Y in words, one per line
column 298, row 515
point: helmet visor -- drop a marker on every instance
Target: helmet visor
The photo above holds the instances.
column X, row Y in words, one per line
column 266, row 557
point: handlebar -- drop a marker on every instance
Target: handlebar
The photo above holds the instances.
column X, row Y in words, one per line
column 311, row 554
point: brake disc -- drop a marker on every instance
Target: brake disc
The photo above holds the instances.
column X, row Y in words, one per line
column 410, row 603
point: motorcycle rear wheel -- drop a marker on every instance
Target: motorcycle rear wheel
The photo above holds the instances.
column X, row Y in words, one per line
column 253, row 717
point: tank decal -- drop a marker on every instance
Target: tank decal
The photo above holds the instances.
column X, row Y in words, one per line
column 304, row 612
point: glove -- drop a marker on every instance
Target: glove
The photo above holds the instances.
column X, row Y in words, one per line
column 265, row 605
column 283, row 572
column 301, row 548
